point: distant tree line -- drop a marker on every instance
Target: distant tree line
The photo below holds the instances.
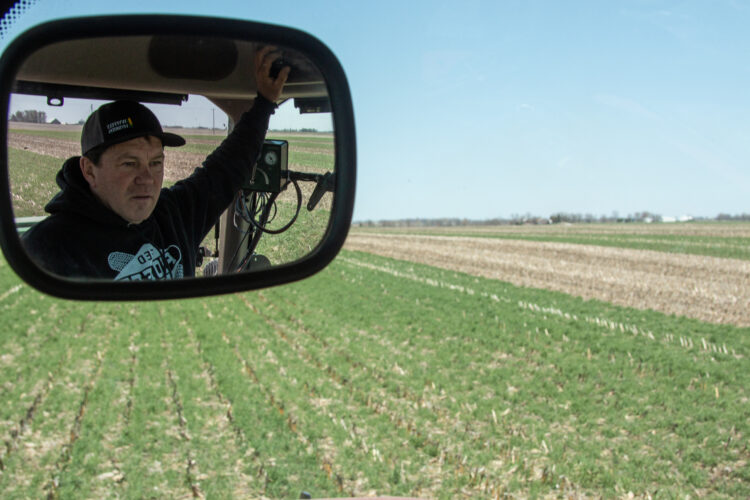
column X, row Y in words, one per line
column 29, row 116
column 556, row 218
column 571, row 218
column 740, row 217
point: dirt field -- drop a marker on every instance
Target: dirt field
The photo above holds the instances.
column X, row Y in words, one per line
column 692, row 229
column 59, row 148
column 706, row 288
column 179, row 164
column 77, row 128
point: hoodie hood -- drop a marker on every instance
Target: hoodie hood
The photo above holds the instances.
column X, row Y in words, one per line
column 75, row 197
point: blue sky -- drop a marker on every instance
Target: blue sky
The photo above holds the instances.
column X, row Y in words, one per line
column 488, row 109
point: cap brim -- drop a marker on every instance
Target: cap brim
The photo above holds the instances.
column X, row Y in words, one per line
column 166, row 138
column 172, row 140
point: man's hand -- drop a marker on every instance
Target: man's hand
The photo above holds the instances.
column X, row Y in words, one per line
column 269, row 87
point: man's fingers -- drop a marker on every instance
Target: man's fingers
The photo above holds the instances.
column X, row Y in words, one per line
column 260, row 54
column 265, row 58
column 269, row 86
column 283, row 75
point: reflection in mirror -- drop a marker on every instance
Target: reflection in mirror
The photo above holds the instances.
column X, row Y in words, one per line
column 85, row 174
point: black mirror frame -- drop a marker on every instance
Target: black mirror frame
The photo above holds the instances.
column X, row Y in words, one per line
column 102, row 26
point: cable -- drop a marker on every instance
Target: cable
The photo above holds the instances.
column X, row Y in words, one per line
column 261, row 227
column 259, row 209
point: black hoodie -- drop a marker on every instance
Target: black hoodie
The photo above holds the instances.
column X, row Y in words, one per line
column 83, row 238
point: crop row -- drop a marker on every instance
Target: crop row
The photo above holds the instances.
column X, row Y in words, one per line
column 570, row 383
column 373, row 377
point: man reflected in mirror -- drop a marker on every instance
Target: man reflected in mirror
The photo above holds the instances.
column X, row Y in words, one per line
column 112, row 219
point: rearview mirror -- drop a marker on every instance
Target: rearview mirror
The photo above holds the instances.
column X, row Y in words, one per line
column 286, row 216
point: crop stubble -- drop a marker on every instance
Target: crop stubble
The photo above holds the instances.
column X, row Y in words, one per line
column 706, row 288
column 722, row 230
column 178, row 164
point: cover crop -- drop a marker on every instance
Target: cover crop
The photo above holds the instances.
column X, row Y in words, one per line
column 375, row 376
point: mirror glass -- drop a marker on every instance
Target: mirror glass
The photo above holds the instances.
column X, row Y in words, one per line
column 109, row 224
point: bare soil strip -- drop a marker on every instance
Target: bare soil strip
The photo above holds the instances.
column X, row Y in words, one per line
column 706, row 288
column 178, row 164
column 722, row 230
column 49, row 146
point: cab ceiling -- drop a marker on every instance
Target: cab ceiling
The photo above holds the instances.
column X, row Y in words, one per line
column 218, row 68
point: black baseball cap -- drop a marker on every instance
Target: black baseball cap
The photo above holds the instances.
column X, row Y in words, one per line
column 120, row 121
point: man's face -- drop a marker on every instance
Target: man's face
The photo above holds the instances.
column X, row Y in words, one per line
column 128, row 178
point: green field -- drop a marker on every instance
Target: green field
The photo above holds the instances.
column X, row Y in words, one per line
column 313, row 153
column 32, row 181
column 375, row 376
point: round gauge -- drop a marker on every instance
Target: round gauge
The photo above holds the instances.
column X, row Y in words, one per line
column 271, row 158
